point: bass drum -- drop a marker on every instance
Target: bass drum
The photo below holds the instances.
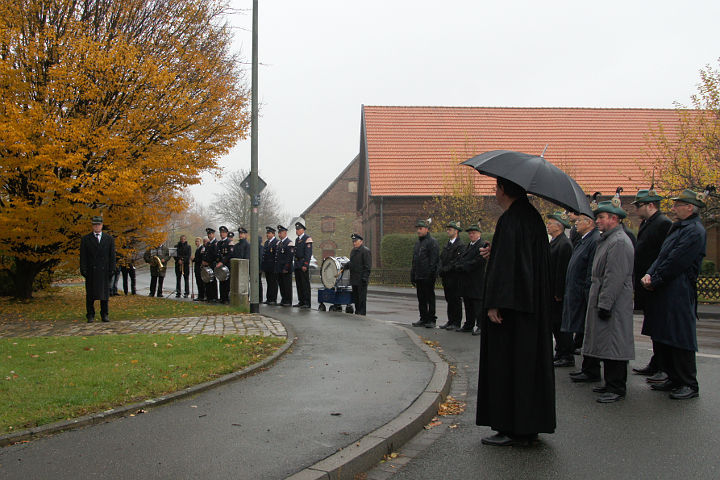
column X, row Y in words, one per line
column 207, row 275
column 330, row 272
column 222, row 273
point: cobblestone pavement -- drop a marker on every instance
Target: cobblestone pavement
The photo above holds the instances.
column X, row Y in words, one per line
column 249, row 324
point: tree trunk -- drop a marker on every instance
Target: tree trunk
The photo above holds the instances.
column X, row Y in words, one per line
column 25, row 274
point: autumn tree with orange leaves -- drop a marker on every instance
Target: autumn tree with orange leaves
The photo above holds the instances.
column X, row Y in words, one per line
column 108, row 108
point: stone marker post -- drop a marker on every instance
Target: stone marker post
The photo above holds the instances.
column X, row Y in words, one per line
column 239, row 282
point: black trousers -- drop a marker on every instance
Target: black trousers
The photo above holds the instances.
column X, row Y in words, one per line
column 156, row 281
column 473, row 310
column 426, row 300
column 211, row 290
column 225, row 291
column 114, row 282
column 182, row 271
column 200, row 285
column 284, row 281
column 302, row 285
column 679, row 364
column 590, row 366
column 359, row 297
column 90, row 308
column 615, row 376
column 272, row 286
column 578, row 340
column 128, row 272
column 451, row 287
column 563, row 340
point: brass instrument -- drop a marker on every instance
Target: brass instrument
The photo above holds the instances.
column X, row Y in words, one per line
column 157, row 263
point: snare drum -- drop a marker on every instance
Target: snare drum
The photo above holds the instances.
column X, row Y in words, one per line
column 207, row 275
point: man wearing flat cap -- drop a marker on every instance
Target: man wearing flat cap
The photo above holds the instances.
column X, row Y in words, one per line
column 268, row 264
column 303, row 255
column 450, row 275
column 426, row 255
column 284, row 266
column 653, row 229
column 209, row 260
column 97, row 264
column 671, row 307
column 471, row 266
column 609, row 333
column 560, row 253
column 359, row 266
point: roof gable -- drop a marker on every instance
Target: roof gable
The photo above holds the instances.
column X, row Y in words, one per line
column 410, row 150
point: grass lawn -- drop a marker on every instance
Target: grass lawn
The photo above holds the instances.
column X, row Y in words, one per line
column 45, row 379
column 67, row 304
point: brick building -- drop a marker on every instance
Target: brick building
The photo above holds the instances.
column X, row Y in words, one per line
column 405, row 152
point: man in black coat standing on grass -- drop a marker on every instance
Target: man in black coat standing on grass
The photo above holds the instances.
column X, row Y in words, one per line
column 97, row 264
column 359, row 266
column 423, row 273
column 651, row 234
column 450, row 275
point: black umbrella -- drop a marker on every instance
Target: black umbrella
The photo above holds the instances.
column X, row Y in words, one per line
column 534, row 174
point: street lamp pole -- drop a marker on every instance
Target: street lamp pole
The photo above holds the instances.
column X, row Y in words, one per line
column 254, row 194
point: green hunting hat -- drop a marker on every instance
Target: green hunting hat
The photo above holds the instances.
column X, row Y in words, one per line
column 688, row 196
column 561, row 217
column 474, row 228
column 611, row 206
column 97, row 220
column 646, row 196
column 423, row 223
column 455, row 225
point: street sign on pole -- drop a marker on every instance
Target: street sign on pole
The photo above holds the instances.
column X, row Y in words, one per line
column 246, row 185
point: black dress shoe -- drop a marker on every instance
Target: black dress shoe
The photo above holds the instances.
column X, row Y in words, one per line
column 160, row 295
column 90, row 319
column 498, row 440
column 576, row 374
column 419, row 323
column 584, row 378
column 602, row 389
column 609, row 397
column 665, row 386
column 564, row 362
column 298, row 305
column 286, row 304
column 464, row 329
column 177, row 295
column 684, row 393
column 476, row 331
column 185, row 296
column 430, row 325
column 305, row 306
column 647, row 371
column 448, row 325
column 105, row 319
column 271, row 303
column 659, row 377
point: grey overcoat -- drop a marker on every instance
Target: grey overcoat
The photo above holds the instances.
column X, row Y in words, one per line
column 611, row 289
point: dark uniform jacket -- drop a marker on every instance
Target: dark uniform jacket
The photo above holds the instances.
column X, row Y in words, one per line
column 303, row 251
column 97, row 264
column 199, row 255
column 268, row 258
column 163, row 253
column 210, row 253
column 426, row 255
column 224, row 252
column 560, row 253
column 671, row 309
column 471, row 267
column 242, row 249
column 285, row 254
column 577, row 283
column 359, row 265
column 182, row 252
column 651, row 234
column 449, row 258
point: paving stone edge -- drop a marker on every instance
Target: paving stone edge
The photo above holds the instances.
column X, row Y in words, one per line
column 367, row 452
column 100, row 417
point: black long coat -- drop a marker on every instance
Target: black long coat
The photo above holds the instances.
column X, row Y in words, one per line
column 577, row 283
column 560, row 252
column 97, row 264
column 426, row 255
column 650, row 237
column 516, row 384
column 471, row 266
column 359, row 266
column 449, row 259
column 671, row 309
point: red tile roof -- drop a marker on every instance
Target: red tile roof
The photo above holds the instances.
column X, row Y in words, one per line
column 411, row 149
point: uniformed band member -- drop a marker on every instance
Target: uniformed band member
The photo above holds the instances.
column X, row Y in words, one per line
column 209, row 260
column 359, row 266
column 97, row 262
column 157, row 258
column 560, row 253
column 653, row 229
column 671, row 307
column 182, row 265
column 423, row 273
column 471, row 266
column 127, row 268
column 285, row 253
column 303, row 255
column 267, row 265
column 197, row 262
column 450, row 275
column 242, row 247
column 224, row 253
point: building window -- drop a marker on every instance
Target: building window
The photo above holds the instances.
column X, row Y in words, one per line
column 327, row 224
column 352, row 187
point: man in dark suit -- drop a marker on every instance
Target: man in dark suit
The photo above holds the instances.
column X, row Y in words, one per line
column 471, row 267
column 303, row 255
column 284, row 266
column 426, row 255
column 359, row 266
column 450, row 275
column 651, row 234
column 97, row 264
column 560, row 252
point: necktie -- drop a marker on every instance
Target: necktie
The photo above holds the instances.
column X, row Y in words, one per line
column 97, row 235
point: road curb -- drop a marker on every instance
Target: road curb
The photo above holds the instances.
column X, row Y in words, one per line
column 365, row 453
column 101, row 417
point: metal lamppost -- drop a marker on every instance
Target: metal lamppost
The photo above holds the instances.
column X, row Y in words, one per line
column 254, row 193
